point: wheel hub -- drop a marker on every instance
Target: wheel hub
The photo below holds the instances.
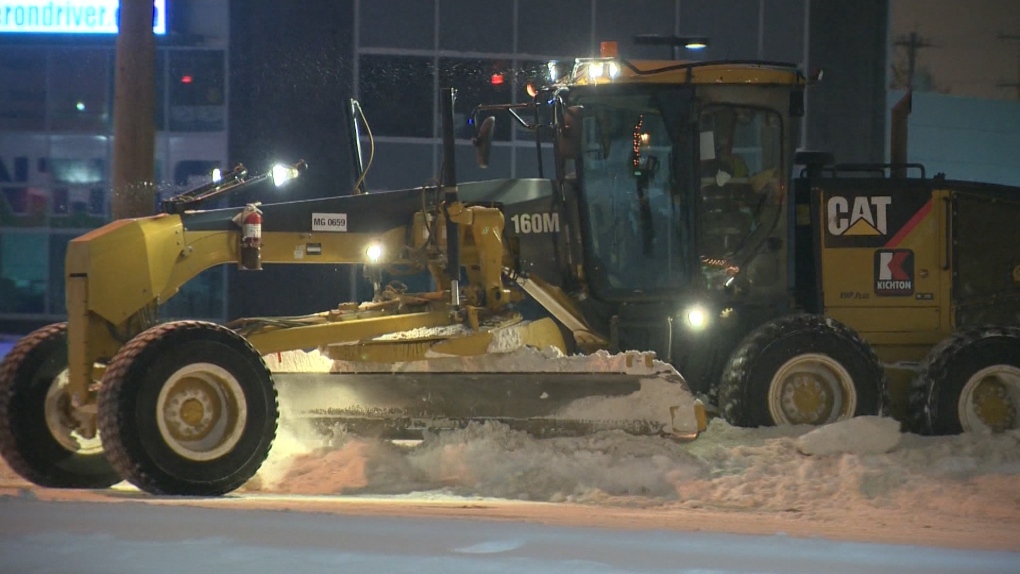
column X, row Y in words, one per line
column 805, row 398
column 990, row 400
column 811, row 389
column 201, row 412
column 190, row 413
column 992, row 405
column 61, row 422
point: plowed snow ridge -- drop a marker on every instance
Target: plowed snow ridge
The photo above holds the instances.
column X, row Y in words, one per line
column 861, row 464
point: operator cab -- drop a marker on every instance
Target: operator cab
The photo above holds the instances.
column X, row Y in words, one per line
column 680, row 175
column 672, row 178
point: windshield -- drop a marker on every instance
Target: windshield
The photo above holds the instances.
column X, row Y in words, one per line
column 637, row 232
column 740, row 152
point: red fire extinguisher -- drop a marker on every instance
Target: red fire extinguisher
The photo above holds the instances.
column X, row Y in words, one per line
column 250, row 220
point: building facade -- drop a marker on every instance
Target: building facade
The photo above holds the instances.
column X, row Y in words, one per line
column 257, row 82
column 56, row 149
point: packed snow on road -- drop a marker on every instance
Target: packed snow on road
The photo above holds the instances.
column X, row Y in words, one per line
column 841, row 472
column 860, row 479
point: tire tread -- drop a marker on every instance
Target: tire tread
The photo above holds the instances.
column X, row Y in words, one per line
column 924, row 391
column 111, row 407
column 10, row 448
column 733, row 400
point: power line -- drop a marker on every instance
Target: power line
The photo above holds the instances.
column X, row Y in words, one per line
column 1017, row 83
column 912, row 42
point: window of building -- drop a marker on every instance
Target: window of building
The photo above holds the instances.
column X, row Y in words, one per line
column 478, row 82
column 197, row 91
column 396, row 93
column 199, row 297
column 22, row 88
column 80, row 90
column 465, row 26
column 23, row 272
column 561, row 28
column 57, row 255
column 409, row 24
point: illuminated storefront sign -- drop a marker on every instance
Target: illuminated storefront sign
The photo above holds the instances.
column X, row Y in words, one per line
column 69, row 16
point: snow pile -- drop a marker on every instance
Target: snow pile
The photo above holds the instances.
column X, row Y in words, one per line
column 862, row 435
column 298, row 362
column 864, row 463
column 420, row 333
column 726, row 468
column 490, row 460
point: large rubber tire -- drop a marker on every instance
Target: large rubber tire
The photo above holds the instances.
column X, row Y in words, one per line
column 188, row 408
column 36, row 436
column 969, row 382
column 801, row 369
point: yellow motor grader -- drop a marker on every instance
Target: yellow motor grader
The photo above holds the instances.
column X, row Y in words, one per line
column 671, row 222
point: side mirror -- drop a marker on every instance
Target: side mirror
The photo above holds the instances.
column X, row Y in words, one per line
column 568, row 139
column 483, row 141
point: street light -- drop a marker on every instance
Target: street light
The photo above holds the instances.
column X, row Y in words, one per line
column 676, row 43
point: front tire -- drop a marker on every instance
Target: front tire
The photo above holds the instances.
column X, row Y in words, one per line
column 38, row 437
column 970, row 382
column 801, row 369
column 188, row 408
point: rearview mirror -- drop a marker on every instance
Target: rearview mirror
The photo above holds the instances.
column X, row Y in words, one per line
column 483, row 141
column 568, row 138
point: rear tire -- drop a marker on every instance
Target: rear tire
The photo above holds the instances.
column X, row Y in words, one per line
column 188, row 408
column 801, row 369
column 970, row 382
column 36, row 431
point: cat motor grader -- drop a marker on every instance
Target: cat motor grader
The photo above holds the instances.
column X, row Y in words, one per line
column 670, row 223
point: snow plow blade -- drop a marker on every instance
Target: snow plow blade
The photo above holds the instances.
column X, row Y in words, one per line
column 404, row 405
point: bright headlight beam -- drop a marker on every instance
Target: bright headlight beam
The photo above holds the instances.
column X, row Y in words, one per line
column 697, row 318
column 374, row 253
column 283, row 173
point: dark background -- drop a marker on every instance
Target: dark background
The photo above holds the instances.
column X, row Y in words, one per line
column 291, row 69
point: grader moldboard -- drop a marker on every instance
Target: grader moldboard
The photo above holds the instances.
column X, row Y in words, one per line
column 671, row 223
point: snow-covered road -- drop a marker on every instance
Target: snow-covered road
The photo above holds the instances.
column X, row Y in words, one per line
column 172, row 536
column 853, row 496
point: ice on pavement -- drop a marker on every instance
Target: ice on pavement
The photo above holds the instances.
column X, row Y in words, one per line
column 863, row 463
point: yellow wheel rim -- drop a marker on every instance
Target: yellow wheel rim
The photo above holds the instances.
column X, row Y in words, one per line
column 990, row 400
column 62, row 424
column 811, row 389
column 201, row 412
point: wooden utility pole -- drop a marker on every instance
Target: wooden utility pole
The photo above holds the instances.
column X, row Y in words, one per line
column 912, row 43
column 134, row 130
column 1017, row 83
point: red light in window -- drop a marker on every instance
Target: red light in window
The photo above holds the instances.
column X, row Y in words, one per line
column 186, row 79
column 496, row 79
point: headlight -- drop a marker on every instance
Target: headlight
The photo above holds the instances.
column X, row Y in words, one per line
column 696, row 317
column 284, row 173
column 374, row 253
